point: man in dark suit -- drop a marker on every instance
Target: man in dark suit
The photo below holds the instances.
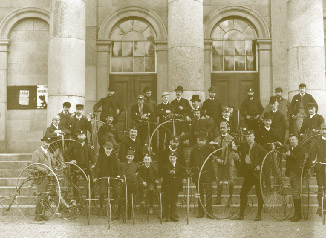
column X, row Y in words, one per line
column 318, row 154
column 181, row 105
column 299, row 108
column 252, row 155
column 151, row 104
column 251, row 109
column 173, row 173
column 295, row 157
column 55, row 131
column 165, row 111
column 108, row 132
column 131, row 141
column 141, row 114
column 80, row 122
column 198, row 156
column 195, row 103
column 313, row 121
column 108, row 104
column 211, row 107
column 65, row 116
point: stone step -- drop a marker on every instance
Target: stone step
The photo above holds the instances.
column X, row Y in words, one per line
column 16, row 157
column 19, row 165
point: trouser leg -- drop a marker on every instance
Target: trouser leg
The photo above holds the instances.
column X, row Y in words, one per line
column 246, row 186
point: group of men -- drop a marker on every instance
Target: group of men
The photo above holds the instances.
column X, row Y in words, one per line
column 206, row 127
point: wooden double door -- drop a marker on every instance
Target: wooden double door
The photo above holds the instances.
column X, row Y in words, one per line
column 127, row 88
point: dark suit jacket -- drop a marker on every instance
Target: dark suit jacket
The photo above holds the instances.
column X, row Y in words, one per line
column 107, row 166
column 310, row 124
column 104, row 134
column 135, row 114
column 151, row 104
column 65, row 120
column 84, row 155
column 296, row 159
column 161, row 111
column 318, row 151
column 50, row 131
column 172, row 181
column 130, row 171
column 279, row 125
column 213, row 109
column 198, row 156
column 257, row 155
column 77, row 124
column 295, row 103
column 251, row 107
column 185, row 104
column 149, row 175
column 109, row 104
column 134, row 145
column 164, row 158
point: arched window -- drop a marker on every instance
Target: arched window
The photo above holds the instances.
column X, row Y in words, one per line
column 234, row 46
column 133, row 48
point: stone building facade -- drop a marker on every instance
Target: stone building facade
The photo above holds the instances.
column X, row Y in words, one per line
column 80, row 47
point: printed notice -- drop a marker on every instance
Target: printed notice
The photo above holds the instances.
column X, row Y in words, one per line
column 24, row 97
column 42, row 96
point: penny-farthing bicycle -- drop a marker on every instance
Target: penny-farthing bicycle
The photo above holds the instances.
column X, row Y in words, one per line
column 277, row 198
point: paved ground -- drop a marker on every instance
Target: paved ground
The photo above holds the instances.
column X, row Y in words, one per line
column 16, row 227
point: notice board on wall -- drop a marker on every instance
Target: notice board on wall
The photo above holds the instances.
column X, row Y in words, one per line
column 27, row 97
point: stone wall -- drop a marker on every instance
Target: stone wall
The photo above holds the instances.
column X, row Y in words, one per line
column 27, row 65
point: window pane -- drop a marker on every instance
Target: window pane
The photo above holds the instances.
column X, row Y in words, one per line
column 116, row 49
column 249, row 33
column 218, row 33
column 239, row 63
column 233, row 35
column 239, row 47
column 217, row 63
column 139, row 64
column 149, row 64
column 249, row 47
column 116, row 64
column 217, row 48
column 126, row 26
column 240, row 25
column 149, row 48
column 228, row 47
column 227, row 25
column 139, row 26
column 139, row 48
column 117, row 34
column 127, row 48
column 228, row 63
column 127, row 64
column 149, row 34
column 251, row 63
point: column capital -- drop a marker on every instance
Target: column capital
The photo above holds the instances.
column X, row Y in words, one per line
column 264, row 44
column 4, row 43
column 161, row 45
column 103, row 45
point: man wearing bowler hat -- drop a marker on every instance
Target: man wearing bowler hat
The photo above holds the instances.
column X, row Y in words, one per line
column 80, row 122
column 181, row 105
column 211, row 107
column 299, row 108
column 251, row 109
column 109, row 104
column 313, row 121
column 195, row 103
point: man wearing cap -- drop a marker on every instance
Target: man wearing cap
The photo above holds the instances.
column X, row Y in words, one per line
column 65, row 116
column 211, row 107
column 312, row 121
column 172, row 172
column 131, row 141
column 80, row 122
column 252, row 155
column 109, row 104
column 278, row 119
column 42, row 156
column 108, row 132
column 295, row 157
column 318, row 155
column 251, row 109
column 164, row 111
column 198, row 156
column 283, row 106
column 299, row 108
column 141, row 114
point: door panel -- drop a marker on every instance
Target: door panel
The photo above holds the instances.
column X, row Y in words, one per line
column 128, row 87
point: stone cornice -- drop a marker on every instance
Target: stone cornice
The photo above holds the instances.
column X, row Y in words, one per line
column 264, row 44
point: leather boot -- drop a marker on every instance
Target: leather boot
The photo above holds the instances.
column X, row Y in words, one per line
column 219, row 194
column 296, row 217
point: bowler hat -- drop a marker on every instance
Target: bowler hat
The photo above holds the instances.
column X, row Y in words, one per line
column 272, row 99
column 195, row 97
column 67, row 104
column 179, row 88
column 302, row 85
column 79, row 106
column 278, row 90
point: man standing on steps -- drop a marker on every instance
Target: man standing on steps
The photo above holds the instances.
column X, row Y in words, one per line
column 295, row 156
column 250, row 164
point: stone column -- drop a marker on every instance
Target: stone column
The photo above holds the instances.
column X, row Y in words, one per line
column 265, row 69
column 186, row 46
column 103, row 67
column 207, row 66
column 66, row 64
column 162, row 68
column 306, row 56
column 3, row 94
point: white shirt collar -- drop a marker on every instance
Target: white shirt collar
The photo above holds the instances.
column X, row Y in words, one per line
column 311, row 116
column 323, row 138
column 44, row 150
column 79, row 117
column 268, row 128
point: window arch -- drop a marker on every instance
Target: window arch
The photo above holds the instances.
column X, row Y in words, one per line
column 233, row 46
column 133, row 48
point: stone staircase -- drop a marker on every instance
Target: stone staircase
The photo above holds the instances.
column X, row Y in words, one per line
column 11, row 166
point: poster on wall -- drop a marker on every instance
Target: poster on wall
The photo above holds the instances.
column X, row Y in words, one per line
column 27, row 97
column 42, row 96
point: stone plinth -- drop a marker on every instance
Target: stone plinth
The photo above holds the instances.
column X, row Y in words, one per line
column 306, row 59
column 66, row 67
column 185, row 45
